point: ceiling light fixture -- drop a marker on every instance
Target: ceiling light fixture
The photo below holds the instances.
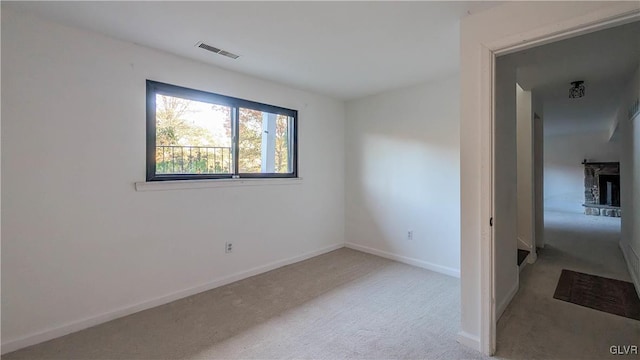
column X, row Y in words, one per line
column 576, row 90
column 214, row 49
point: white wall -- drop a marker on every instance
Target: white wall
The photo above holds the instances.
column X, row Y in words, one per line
column 505, row 25
column 563, row 169
column 505, row 184
column 538, row 173
column 524, row 115
column 630, row 177
column 79, row 244
column 403, row 174
column 0, row 160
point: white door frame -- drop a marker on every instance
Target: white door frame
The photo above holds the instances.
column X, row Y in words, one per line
column 606, row 18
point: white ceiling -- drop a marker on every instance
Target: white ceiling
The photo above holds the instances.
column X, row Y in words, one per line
column 604, row 60
column 342, row 49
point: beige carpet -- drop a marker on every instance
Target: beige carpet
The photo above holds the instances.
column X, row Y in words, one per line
column 537, row 326
column 341, row 305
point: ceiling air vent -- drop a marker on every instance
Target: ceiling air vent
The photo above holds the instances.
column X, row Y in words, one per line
column 214, row 49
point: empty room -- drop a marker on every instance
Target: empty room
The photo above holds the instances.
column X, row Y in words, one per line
column 265, row 180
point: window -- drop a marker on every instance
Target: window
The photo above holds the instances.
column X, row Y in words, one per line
column 193, row 134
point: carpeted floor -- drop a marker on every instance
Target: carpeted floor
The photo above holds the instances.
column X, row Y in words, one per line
column 344, row 304
column 537, row 326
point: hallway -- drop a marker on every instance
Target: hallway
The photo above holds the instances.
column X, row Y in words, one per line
column 537, row 326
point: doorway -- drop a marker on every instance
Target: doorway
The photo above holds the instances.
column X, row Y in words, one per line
column 522, row 25
column 583, row 139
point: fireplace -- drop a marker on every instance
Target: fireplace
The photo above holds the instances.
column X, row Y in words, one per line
column 602, row 188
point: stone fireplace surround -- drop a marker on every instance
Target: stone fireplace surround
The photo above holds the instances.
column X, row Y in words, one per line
column 593, row 204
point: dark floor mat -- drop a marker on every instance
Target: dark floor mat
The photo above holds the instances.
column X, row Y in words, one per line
column 609, row 295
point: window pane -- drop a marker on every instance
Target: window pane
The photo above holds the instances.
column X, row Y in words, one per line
column 265, row 142
column 283, row 148
column 192, row 137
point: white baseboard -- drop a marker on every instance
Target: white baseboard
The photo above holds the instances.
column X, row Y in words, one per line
column 633, row 264
column 533, row 256
column 523, row 264
column 524, row 245
column 502, row 306
column 9, row 345
column 469, row 340
column 407, row 260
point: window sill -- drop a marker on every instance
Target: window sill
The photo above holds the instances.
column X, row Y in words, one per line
column 214, row 183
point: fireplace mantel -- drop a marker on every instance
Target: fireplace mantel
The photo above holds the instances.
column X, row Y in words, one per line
column 602, row 188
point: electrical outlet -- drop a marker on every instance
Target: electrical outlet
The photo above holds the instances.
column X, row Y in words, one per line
column 410, row 235
column 228, row 247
